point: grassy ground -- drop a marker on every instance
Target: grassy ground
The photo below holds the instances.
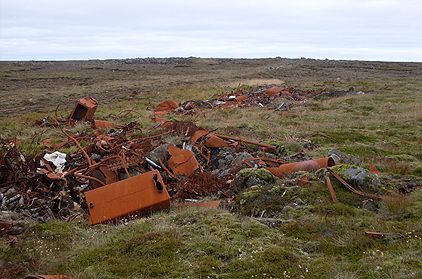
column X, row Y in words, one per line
column 305, row 236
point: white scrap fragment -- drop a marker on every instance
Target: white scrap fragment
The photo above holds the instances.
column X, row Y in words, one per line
column 58, row 159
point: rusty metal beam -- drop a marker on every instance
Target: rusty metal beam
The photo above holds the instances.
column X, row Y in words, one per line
column 350, row 188
column 247, row 141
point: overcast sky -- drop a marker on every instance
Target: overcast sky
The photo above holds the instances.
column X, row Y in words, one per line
column 383, row 30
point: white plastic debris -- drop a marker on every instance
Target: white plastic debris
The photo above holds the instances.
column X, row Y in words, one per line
column 58, row 159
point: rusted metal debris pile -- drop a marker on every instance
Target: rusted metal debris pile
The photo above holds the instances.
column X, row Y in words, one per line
column 239, row 99
column 116, row 174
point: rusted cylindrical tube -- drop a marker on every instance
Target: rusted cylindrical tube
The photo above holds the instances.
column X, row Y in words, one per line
column 311, row 165
column 248, row 141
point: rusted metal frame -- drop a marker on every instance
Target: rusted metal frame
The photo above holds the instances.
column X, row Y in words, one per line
column 247, row 141
column 90, row 178
column 195, row 108
column 6, row 228
column 316, row 134
column 120, row 117
column 47, row 165
column 378, row 235
column 330, row 186
column 300, row 153
column 278, row 161
column 168, row 171
column 22, row 193
column 122, row 157
column 350, row 188
column 39, row 135
column 91, row 168
column 78, row 145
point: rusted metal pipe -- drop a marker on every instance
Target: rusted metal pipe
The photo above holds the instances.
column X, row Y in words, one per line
column 247, row 141
column 311, row 165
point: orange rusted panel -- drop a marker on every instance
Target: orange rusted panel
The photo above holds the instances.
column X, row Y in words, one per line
column 158, row 119
column 102, row 124
column 241, row 98
column 182, row 161
column 239, row 91
column 84, row 109
column 166, row 107
column 105, row 175
column 311, row 165
column 274, row 91
column 214, row 141
column 140, row 194
column 197, row 135
column 373, row 169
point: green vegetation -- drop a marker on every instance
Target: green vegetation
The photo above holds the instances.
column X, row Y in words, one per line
column 273, row 229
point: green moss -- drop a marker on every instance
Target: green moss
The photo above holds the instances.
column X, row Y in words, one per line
column 261, row 173
column 402, row 158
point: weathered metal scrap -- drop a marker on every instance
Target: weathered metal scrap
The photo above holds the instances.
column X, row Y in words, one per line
column 11, row 228
column 268, row 147
column 378, row 235
column 166, row 107
column 138, row 195
column 84, row 109
column 373, row 169
column 47, row 277
column 182, row 161
column 310, row 165
column 330, row 186
column 350, row 188
column 274, row 91
column 98, row 124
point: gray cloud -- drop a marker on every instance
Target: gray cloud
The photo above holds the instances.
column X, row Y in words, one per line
column 62, row 30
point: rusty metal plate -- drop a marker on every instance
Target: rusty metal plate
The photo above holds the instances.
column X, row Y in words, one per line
column 102, row 124
column 142, row 194
column 182, row 161
column 166, row 107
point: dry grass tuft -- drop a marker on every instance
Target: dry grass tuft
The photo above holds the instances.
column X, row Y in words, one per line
column 396, row 203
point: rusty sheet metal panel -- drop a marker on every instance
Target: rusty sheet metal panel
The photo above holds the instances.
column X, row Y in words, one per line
column 84, row 109
column 166, row 107
column 102, row 124
column 182, row 161
column 311, row 165
column 274, row 91
column 140, row 194
column 198, row 134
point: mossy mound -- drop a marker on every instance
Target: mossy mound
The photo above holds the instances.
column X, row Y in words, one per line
column 358, row 177
column 248, row 177
column 262, row 174
column 267, row 201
